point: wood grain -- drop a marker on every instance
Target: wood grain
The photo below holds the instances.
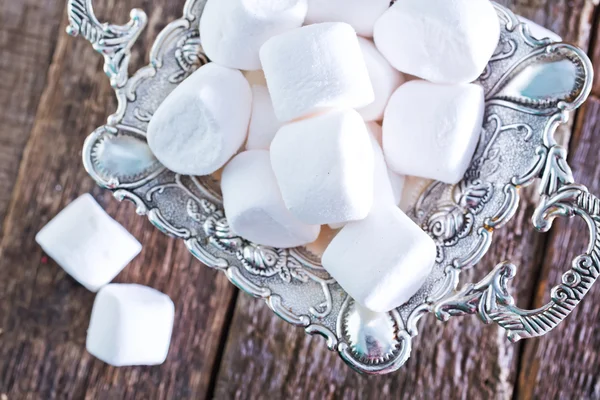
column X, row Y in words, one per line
column 462, row 359
column 28, row 33
column 44, row 313
column 53, row 94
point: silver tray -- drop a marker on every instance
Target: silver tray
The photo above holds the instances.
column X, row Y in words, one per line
column 530, row 87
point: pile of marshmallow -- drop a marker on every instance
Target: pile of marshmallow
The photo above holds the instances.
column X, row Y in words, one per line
column 313, row 151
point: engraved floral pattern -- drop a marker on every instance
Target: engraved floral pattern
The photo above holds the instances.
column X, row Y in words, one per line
column 258, row 260
column 189, row 56
column 452, row 221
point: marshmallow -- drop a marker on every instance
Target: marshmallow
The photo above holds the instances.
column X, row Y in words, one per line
column 87, row 243
column 381, row 261
column 360, row 14
column 337, row 226
column 390, row 180
column 130, row 325
column 324, row 166
column 254, row 206
column 263, row 123
column 539, row 32
column 431, row 130
column 384, row 78
column 384, row 192
column 233, row 31
column 443, row 41
column 315, row 68
column 203, row 122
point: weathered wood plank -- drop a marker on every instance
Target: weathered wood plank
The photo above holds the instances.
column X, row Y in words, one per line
column 43, row 313
column 265, row 357
column 572, row 20
column 565, row 363
column 594, row 51
column 28, row 32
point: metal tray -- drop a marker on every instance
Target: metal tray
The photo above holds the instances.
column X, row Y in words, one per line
column 530, row 87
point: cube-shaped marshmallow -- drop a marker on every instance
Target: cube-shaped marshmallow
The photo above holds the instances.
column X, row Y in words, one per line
column 381, row 261
column 432, row 131
column 384, row 78
column 233, row 31
column 442, row 41
column 385, row 178
column 263, row 123
column 203, row 122
column 315, row 68
column 324, row 167
column 130, row 325
column 254, row 207
column 360, row 14
column 87, row 243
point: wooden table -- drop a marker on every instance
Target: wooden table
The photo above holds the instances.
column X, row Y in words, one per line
column 226, row 345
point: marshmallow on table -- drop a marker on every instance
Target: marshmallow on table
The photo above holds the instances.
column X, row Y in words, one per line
column 87, row 243
column 315, row 68
column 384, row 78
column 324, row 167
column 130, row 325
column 233, row 31
column 360, row 14
column 254, row 206
column 394, row 180
column 381, row 261
column 539, row 32
column 263, row 123
column 431, row 130
column 203, row 122
column 442, row 41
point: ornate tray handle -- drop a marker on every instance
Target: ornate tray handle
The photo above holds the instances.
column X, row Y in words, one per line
column 114, row 42
column 490, row 298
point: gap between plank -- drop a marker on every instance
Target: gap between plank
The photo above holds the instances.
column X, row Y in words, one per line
column 227, row 322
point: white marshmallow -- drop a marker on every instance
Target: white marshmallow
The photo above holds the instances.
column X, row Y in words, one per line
column 389, row 179
column 324, row 166
column 384, row 193
column 254, row 206
column 443, row 41
column 381, row 261
column 315, row 68
column 337, row 226
column 539, row 32
column 203, row 122
column 384, row 78
column 431, row 130
column 263, row 123
column 130, row 325
column 87, row 243
column 360, row 14
column 233, row 31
